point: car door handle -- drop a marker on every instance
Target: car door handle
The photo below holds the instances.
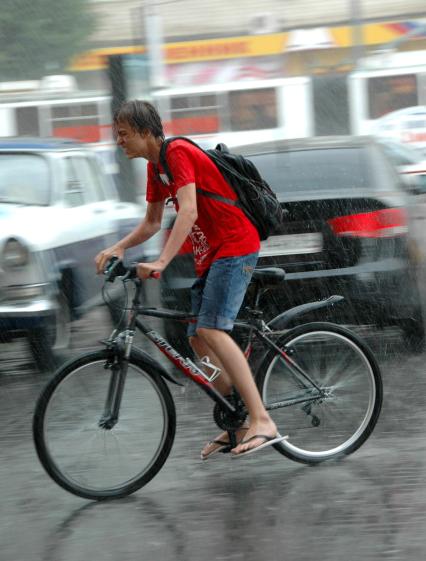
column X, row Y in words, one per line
column 98, row 210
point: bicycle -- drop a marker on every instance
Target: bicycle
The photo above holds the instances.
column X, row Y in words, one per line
column 319, row 381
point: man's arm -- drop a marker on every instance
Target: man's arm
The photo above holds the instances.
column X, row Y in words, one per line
column 149, row 226
column 186, row 217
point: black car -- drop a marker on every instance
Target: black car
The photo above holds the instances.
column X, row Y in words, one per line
column 352, row 228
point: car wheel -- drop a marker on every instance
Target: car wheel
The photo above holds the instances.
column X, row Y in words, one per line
column 52, row 338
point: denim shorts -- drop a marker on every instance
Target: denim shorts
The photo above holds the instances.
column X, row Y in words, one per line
column 217, row 296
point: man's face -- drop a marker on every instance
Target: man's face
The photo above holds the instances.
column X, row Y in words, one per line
column 131, row 141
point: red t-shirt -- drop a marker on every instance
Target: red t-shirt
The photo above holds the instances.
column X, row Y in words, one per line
column 221, row 230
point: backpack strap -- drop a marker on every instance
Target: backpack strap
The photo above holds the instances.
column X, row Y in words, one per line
column 221, row 147
column 217, row 197
column 163, row 150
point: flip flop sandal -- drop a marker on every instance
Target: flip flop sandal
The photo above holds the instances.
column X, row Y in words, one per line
column 221, row 447
column 268, row 441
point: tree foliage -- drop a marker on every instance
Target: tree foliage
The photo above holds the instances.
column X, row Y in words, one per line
column 39, row 37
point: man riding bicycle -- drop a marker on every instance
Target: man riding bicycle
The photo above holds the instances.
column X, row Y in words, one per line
column 225, row 247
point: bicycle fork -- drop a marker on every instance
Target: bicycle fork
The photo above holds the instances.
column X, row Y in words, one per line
column 119, row 367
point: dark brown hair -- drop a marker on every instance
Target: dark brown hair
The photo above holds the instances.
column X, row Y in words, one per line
column 141, row 116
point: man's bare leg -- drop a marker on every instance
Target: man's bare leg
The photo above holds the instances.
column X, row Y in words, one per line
column 224, row 385
column 238, row 370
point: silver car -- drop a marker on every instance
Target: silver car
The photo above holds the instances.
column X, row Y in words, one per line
column 58, row 209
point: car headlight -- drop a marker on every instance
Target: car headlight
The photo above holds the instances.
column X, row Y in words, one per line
column 15, row 254
column 21, row 279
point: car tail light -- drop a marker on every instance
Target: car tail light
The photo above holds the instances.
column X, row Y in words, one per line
column 383, row 223
column 186, row 247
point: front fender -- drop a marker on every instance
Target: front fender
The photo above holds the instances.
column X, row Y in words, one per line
column 283, row 321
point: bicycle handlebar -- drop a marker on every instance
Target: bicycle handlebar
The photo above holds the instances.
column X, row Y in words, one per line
column 116, row 268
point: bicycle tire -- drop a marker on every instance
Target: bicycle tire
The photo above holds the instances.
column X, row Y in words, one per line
column 62, row 419
column 312, row 436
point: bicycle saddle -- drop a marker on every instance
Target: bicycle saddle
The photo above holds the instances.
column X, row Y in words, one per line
column 269, row 275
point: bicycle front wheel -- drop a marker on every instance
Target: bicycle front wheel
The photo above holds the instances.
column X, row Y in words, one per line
column 74, row 446
column 332, row 411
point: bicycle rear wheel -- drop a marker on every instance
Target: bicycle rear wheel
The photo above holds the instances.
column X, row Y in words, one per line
column 335, row 418
column 95, row 462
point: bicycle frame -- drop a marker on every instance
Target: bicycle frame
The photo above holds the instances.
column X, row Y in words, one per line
column 256, row 328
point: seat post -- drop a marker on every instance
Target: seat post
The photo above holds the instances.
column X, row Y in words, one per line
column 263, row 279
column 257, row 295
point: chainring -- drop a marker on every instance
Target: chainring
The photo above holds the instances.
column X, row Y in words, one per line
column 226, row 420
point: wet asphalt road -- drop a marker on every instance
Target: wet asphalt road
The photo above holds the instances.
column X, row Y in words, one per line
column 371, row 506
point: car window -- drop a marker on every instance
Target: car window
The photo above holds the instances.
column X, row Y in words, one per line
column 384, row 173
column 89, row 179
column 24, row 179
column 402, row 155
column 82, row 183
column 104, row 179
column 315, row 169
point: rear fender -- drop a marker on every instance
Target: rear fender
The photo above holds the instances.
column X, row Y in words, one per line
column 284, row 320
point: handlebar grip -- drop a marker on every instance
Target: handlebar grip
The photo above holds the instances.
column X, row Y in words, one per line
column 114, row 268
column 133, row 272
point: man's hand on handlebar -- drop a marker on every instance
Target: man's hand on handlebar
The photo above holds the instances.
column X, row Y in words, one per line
column 101, row 260
column 149, row 270
column 115, row 268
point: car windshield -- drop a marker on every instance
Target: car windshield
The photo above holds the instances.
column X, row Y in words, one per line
column 24, row 179
column 319, row 169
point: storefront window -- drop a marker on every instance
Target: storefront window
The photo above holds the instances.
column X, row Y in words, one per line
column 253, row 109
column 193, row 114
column 80, row 121
column 389, row 93
column 27, row 121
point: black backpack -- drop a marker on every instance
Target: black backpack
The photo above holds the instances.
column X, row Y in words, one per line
column 255, row 196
